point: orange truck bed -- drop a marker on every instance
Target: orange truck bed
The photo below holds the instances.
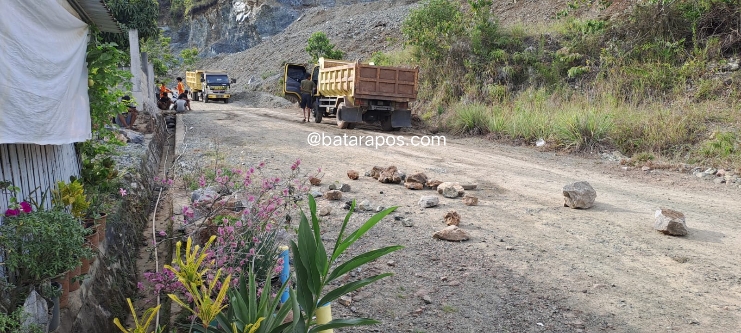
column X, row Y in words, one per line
column 358, row 81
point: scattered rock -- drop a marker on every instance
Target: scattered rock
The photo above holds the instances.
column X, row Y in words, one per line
column 390, row 175
column 345, row 300
column 509, row 248
column 375, row 172
column 670, row 222
column 325, row 211
column 414, row 186
column 427, row 299
column 452, row 233
column 363, row 206
column 711, row 171
column 314, row 181
column 418, row 311
column 316, row 193
column 428, row 201
column 454, row 283
column 407, row 222
column 334, row 186
column 204, row 195
column 419, row 177
column 470, row 200
column 450, row 190
column 391, row 263
column 380, row 208
column 344, row 188
column 719, row 180
column 452, row 218
column 469, row 186
column 646, row 168
column 579, row 195
column 721, row 173
column 333, row 195
column 433, row 184
column 352, row 174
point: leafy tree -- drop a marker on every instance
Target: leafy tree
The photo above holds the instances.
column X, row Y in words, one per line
column 318, row 46
column 190, row 57
column 159, row 54
column 433, row 28
column 133, row 14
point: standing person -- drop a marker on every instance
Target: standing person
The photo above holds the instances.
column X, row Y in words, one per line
column 127, row 119
column 307, row 90
column 182, row 104
column 181, row 86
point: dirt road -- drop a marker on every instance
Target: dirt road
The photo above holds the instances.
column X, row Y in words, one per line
column 532, row 265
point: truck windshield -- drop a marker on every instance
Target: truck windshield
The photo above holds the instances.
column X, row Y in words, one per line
column 217, row 79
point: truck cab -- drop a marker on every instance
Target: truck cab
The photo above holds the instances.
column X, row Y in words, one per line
column 215, row 86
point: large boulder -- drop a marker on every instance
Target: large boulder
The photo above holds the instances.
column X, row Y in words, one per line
column 579, row 195
column 450, row 189
column 670, row 222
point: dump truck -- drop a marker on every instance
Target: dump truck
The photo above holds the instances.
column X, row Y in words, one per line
column 209, row 85
column 353, row 92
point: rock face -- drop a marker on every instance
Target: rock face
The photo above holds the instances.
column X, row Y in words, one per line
column 390, row 175
column 428, row 201
column 452, row 218
column 452, row 233
column 579, row 195
column 450, row 190
column 352, row 174
column 670, row 222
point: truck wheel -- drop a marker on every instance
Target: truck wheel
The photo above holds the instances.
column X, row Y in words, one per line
column 341, row 124
column 226, row 100
column 205, row 98
column 386, row 124
column 317, row 113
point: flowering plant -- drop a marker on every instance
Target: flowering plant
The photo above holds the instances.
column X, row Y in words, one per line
column 15, row 208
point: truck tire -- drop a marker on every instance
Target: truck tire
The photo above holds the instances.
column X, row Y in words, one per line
column 205, row 98
column 194, row 96
column 317, row 113
column 341, row 124
column 386, row 124
column 226, row 101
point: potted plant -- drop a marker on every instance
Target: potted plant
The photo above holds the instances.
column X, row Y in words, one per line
column 71, row 196
column 40, row 245
column 95, row 212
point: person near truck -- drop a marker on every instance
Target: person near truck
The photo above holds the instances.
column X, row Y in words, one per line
column 164, row 101
column 181, row 86
column 307, row 89
column 182, row 104
column 127, row 119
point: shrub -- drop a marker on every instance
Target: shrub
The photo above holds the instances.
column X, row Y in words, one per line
column 319, row 46
column 579, row 130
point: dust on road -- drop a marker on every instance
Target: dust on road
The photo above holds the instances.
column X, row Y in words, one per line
column 531, row 264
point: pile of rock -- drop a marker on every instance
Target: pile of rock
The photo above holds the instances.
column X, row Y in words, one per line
column 719, row 176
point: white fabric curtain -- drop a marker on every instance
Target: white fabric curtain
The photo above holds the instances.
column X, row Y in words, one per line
column 43, row 75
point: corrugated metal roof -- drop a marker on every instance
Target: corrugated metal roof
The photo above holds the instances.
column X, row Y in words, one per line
column 95, row 12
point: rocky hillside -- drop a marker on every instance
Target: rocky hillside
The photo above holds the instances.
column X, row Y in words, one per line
column 252, row 40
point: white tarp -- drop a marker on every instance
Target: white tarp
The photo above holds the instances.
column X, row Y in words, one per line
column 43, row 75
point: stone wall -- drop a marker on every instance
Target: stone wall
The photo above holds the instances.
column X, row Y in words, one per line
column 113, row 276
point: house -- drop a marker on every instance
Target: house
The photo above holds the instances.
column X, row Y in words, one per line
column 44, row 105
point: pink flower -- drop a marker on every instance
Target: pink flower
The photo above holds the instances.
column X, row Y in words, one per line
column 26, row 207
column 12, row 212
column 162, row 233
column 296, row 164
column 122, row 192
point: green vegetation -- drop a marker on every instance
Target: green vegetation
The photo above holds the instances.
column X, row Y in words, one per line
column 190, row 57
column 645, row 82
column 160, row 54
column 319, row 46
column 133, row 14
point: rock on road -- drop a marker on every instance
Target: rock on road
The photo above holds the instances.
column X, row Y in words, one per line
column 531, row 264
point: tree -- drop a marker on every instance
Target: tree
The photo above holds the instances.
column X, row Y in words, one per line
column 433, row 28
column 318, row 46
column 190, row 57
column 133, row 14
column 159, row 54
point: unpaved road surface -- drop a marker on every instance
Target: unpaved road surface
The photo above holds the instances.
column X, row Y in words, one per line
column 531, row 265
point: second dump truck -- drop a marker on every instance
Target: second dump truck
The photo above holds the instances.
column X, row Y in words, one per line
column 209, row 85
column 354, row 92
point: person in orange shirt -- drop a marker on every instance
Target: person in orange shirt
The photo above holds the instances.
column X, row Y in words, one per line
column 164, row 102
column 181, row 86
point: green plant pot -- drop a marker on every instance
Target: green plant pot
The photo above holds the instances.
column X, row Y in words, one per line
column 54, row 321
column 63, row 281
